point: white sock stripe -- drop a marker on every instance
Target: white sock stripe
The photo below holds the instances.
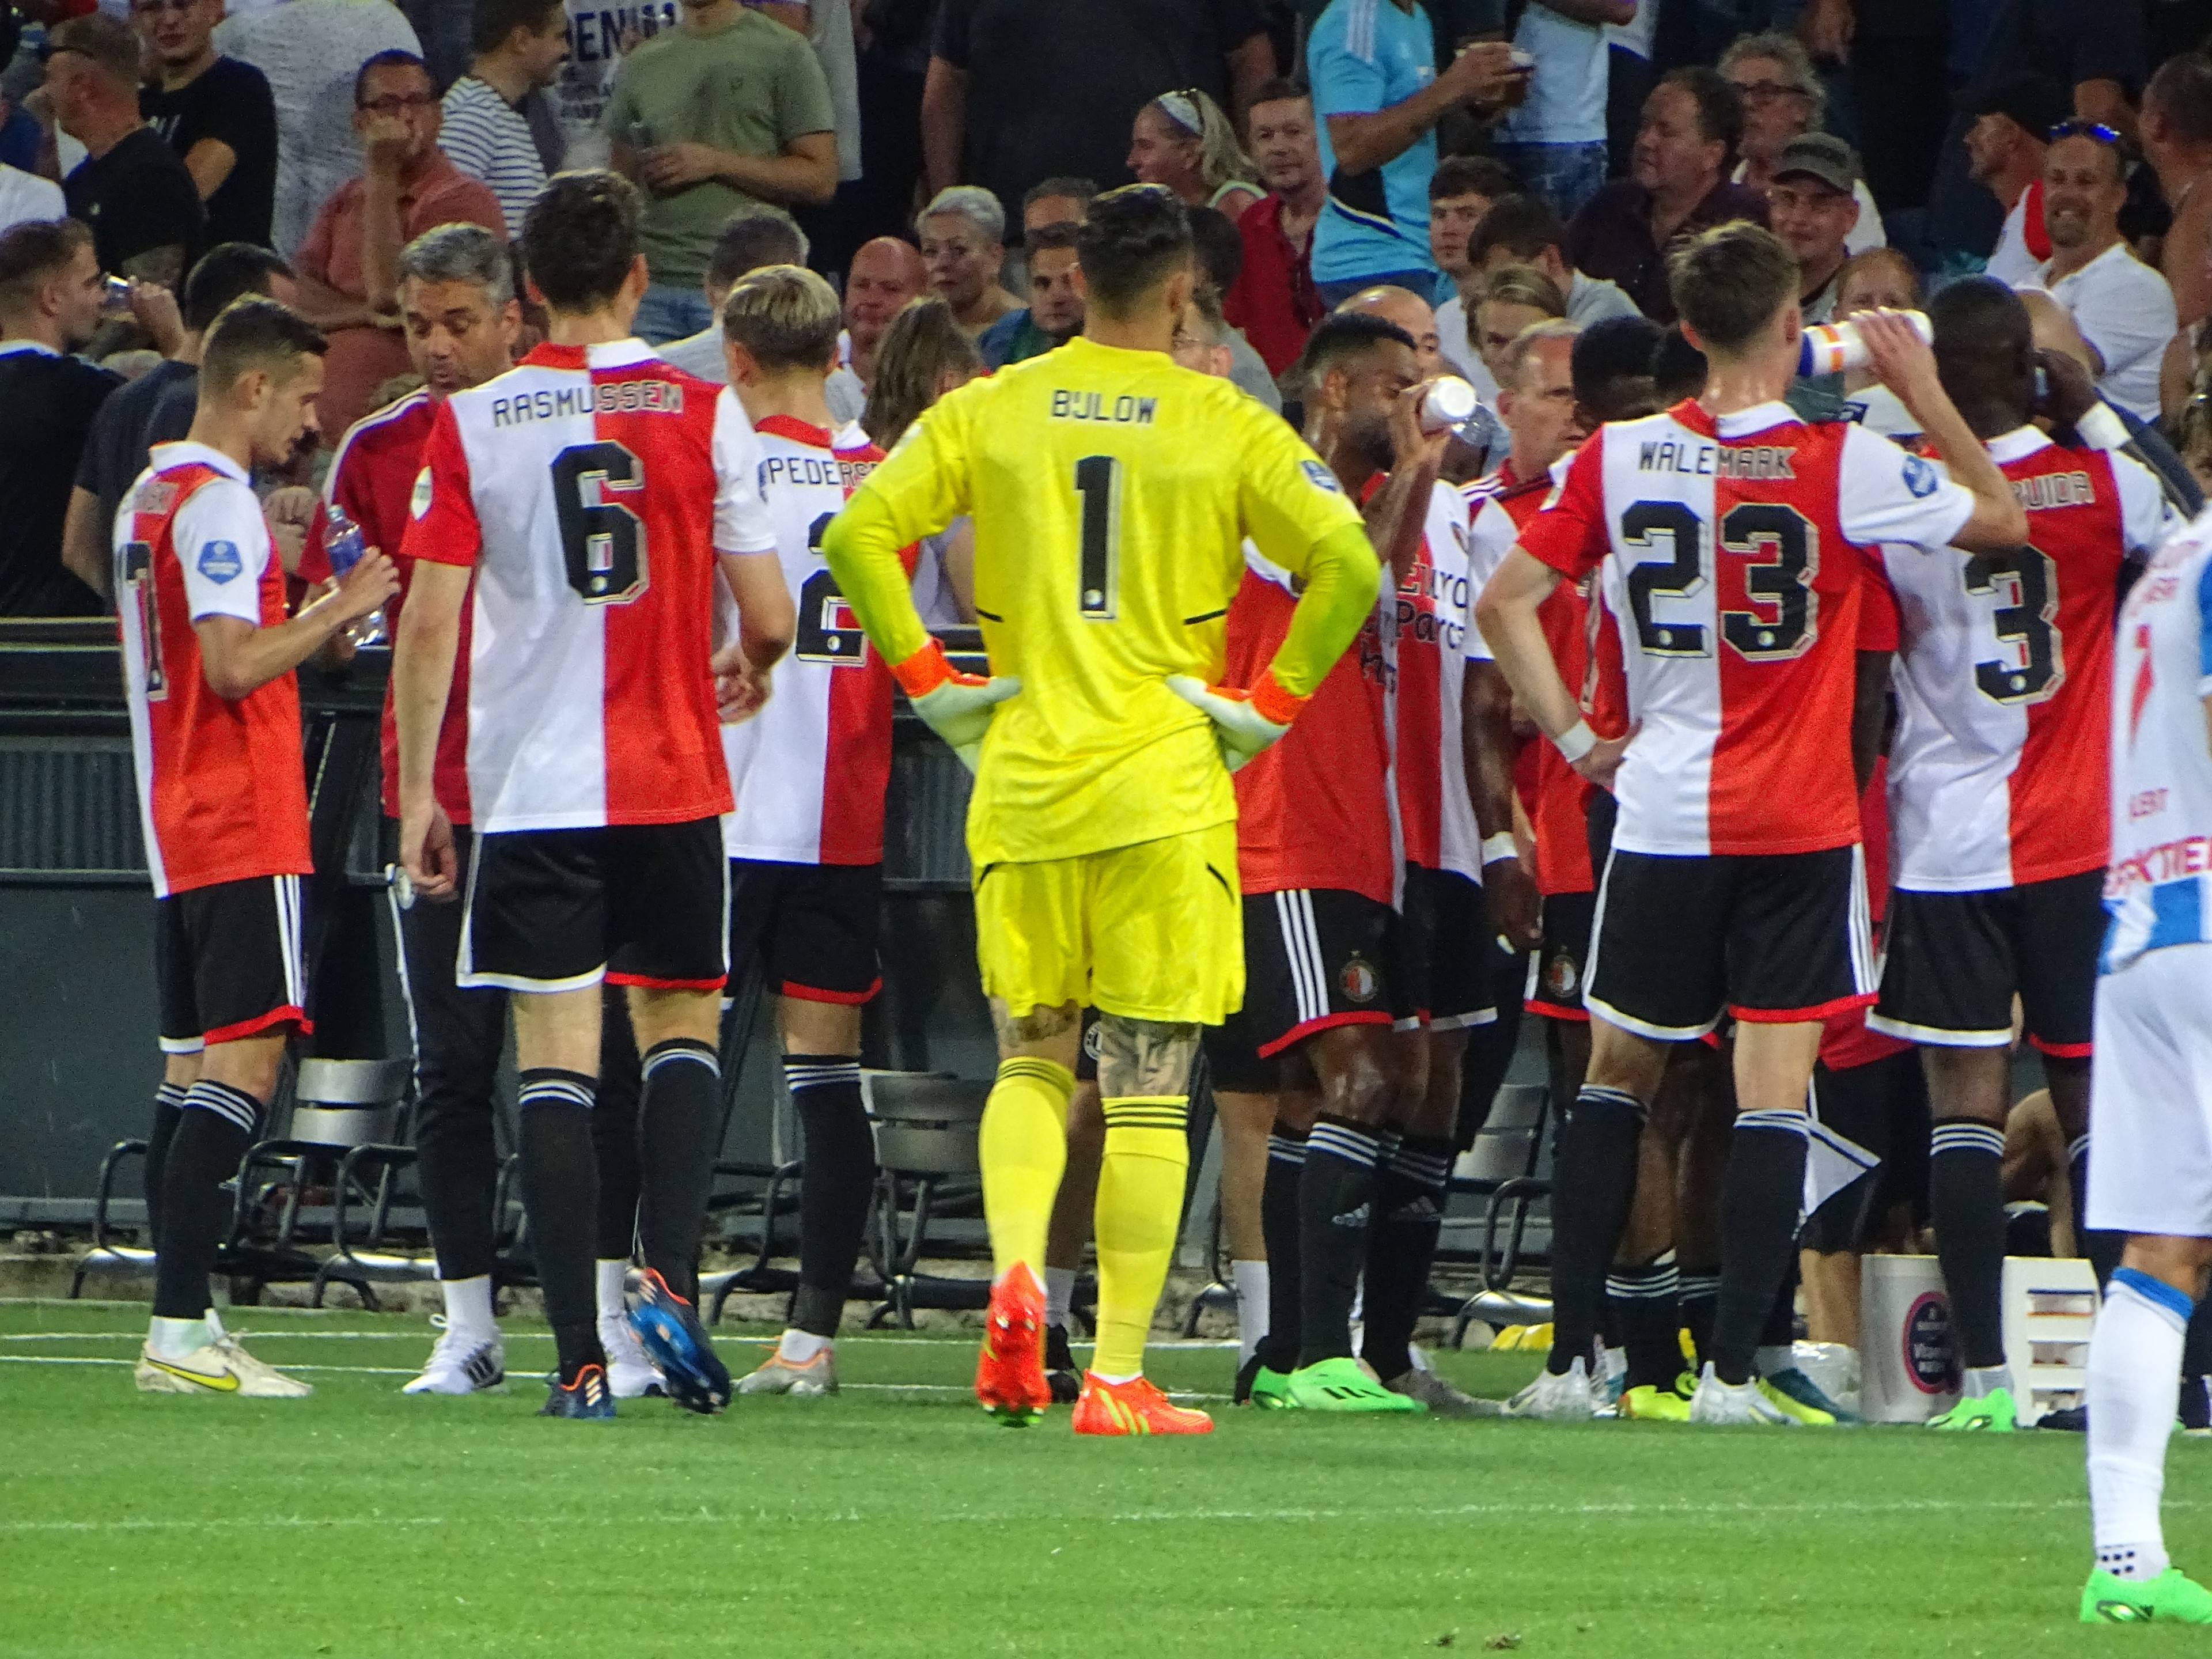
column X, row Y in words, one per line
column 1967, row 1138
column 1433, row 1168
column 232, row 1105
column 172, row 1093
column 556, row 1091
column 1339, row 1140
column 695, row 1054
column 1286, row 1149
column 1612, row 1097
column 2077, row 1147
column 1700, row 1283
column 1788, row 1120
column 1637, row 1290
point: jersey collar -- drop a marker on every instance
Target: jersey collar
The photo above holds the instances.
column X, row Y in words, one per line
column 799, row 431
column 2016, row 445
column 1734, row 426
column 615, row 354
column 184, row 453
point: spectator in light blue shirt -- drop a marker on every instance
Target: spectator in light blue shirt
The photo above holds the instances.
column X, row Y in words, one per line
column 1555, row 141
column 1372, row 65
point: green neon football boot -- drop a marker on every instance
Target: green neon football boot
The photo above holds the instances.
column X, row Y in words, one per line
column 1993, row 1414
column 1343, row 1384
column 2171, row 1598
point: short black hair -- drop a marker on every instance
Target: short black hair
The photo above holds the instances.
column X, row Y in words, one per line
column 1612, row 349
column 34, row 252
column 1135, row 237
column 1471, row 175
column 1727, row 282
column 1678, row 368
column 1217, row 245
column 1344, row 334
column 753, row 238
column 227, row 271
column 1982, row 330
column 1720, row 106
column 1073, row 190
column 2181, row 91
column 1052, row 236
column 1278, row 90
column 580, row 238
column 1526, row 225
column 255, row 332
column 390, row 57
column 493, row 20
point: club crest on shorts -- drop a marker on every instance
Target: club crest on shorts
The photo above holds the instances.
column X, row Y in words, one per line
column 1560, row 979
column 1359, row 980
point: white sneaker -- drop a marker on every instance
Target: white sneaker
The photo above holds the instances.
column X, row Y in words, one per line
column 631, row 1375
column 218, row 1367
column 777, row 1375
column 463, row 1362
column 1552, row 1399
column 1716, row 1401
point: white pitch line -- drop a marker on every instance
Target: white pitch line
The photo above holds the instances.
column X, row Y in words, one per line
column 429, row 1333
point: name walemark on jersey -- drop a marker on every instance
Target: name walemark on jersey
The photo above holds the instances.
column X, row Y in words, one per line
column 1758, row 461
column 1124, row 410
column 607, row 397
column 2049, row 489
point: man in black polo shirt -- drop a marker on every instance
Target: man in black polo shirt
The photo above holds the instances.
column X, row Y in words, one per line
column 143, row 206
column 50, row 292
column 216, row 112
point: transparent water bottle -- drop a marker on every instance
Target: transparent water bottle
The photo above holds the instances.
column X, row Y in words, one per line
column 1450, row 403
column 344, row 545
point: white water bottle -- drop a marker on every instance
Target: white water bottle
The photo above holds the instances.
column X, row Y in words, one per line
column 1837, row 347
column 1450, row 403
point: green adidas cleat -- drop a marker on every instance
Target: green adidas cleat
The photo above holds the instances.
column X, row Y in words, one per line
column 1993, row 1414
column 1271, row 1391
column 2171, row 1598
column 1342, row 1385
column 1801, row 1397
column 1649, row 1404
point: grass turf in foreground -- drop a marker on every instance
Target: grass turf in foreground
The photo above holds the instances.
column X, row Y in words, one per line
column 896, row 1520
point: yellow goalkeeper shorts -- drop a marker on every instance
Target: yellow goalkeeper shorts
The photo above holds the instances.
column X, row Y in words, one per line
column 1153, row 932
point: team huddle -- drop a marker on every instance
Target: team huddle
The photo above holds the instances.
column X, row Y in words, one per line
column 639, row 736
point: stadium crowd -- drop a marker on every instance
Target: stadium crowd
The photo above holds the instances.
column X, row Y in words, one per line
column 1838, row 836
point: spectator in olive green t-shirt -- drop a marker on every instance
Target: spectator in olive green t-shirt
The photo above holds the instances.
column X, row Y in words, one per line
column 724, row 111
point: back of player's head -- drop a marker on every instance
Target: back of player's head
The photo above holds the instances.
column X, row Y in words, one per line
column 1729, row 283
column 785, row 317
column 751, row 240
column 1513, row 362
column 1613, row 348
column 921, row 351
column 227, row 271
column 256, row 332
column 1135, row 238
column 1217, row 245
column 1524, row 225
column 461, row 253
column 1984, row 346
column 580, row 239
column 1678, row 368
column 1342, row 338
column 492, row 21
column 32, row 254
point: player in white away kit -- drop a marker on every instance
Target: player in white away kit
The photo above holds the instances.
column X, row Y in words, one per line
column 2150, row 1100
column 810, row 773
column 590, row 490
column 1996, row 804
column 1727, row 535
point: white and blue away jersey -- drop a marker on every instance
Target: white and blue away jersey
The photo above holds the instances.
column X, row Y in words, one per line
column 2161, row 760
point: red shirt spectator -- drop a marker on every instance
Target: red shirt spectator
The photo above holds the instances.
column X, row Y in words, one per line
column 1273, row 300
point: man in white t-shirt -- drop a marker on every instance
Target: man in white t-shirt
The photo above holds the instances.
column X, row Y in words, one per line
column 2005, row 148
column 25, row 196
column 1555, row 141
column 2124, row 308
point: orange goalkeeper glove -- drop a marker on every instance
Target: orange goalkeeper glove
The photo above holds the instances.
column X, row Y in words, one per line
column 957, row 707
column 1244, row 722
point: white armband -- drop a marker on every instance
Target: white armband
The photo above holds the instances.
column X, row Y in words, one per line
column 2103, row 428
column 1576, row 741
column 1499, row 847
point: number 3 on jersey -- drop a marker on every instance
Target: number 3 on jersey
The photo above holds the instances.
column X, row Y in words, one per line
column 1782, row 579
column 828, row 630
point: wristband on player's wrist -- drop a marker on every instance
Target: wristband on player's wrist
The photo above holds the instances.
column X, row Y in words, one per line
column 925, row 671
column 2101, row 427
column 1271, row 703
column 1576, row 741
column 1498, row 847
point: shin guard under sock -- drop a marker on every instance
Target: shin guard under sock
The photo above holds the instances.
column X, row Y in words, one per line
column 1966, row 1205
column 561, row 1190
column 1335, row 1205
column 1646, row 1304
column 1402, row 1244
column 679, row 1132
column 169, row 1108
column 1023, row 1147
column 1139, row 1204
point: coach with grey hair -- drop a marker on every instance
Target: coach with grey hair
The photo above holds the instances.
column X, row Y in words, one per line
column 458, row 316
column 963, row 235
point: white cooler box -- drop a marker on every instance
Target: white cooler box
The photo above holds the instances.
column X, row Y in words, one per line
column 1910, row 1364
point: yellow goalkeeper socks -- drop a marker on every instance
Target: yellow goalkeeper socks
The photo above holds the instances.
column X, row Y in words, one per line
column 1141, row 1186
column 1023, row 1147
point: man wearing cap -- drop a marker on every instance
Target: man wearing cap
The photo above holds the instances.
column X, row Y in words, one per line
column 2013, row 119
column 1812, row 207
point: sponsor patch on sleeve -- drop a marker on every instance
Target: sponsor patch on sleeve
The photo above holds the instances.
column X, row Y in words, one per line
column 419, row 503
column 1321, row 477
column 1921, row 476
column 219, row 562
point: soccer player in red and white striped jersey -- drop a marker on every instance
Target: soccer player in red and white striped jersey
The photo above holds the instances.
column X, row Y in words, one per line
column 810, row 773
column 208, row 658
column 1728, row 535
column 1998, row 796
column 579, row 504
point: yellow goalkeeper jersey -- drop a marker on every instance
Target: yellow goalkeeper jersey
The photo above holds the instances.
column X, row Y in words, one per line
column 1112, row 491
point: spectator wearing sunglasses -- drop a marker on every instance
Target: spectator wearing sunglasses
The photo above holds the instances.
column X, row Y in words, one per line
column 348, row 267
column 2122, row 307
column 1784, row 99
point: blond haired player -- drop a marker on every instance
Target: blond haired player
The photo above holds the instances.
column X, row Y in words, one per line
column 1112, row 491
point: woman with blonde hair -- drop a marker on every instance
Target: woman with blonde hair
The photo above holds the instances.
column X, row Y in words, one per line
column 1183, row 140
column 923, row 356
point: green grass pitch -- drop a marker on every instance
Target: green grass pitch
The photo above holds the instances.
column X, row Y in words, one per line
column 896, row 1520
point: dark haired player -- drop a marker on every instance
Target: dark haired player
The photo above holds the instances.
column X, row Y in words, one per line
column 1728, row 536
column 588, row 491
column 208, row 658
column 1112, row 491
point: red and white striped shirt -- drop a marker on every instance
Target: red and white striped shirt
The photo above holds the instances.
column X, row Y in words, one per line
column 1729, row 550
column 590, row 488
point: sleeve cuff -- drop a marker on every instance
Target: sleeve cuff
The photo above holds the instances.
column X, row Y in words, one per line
column 1272, row 702
column 924, row 672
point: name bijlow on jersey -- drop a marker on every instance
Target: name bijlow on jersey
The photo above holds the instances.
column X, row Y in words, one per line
column 1124, row 410
column 605, row 398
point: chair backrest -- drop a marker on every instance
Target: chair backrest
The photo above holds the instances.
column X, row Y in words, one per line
column 925, row 1123
column 1508, row 1144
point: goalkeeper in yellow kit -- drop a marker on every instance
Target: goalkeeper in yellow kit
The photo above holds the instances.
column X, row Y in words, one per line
column 1111, row 492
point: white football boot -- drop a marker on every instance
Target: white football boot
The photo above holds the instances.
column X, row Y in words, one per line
column 1550, row 1399
column 631, row 1375
column 218, row 1367
column 1716, row 1401
column 462, row 1362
